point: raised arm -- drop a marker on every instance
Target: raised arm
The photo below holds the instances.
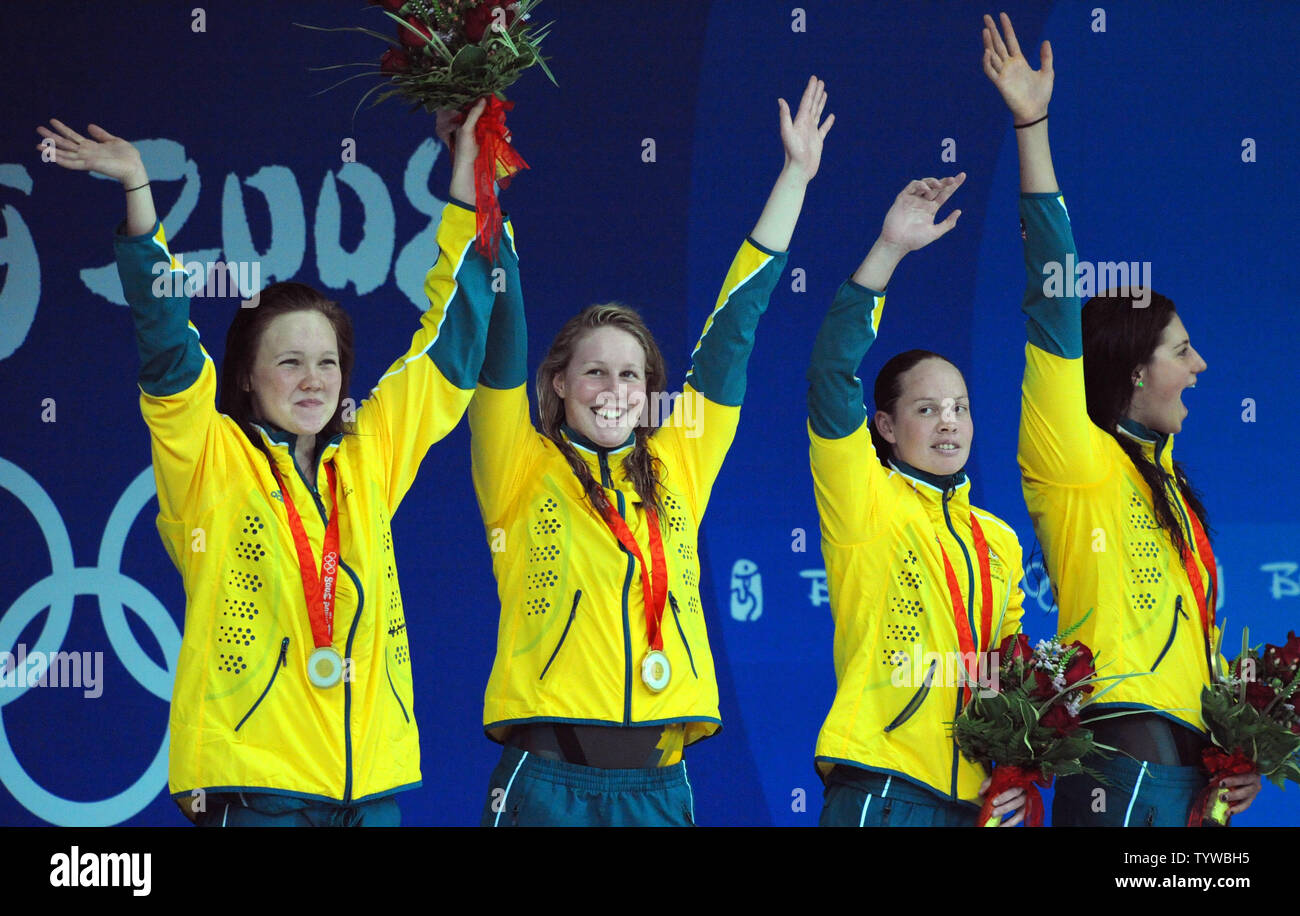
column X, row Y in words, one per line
column 1058, row 443
column 503, row 440
column 425, row 392
column 802, row 138
column 703, row 421
column 111, row 157
column 845, row 468
column 177, row 378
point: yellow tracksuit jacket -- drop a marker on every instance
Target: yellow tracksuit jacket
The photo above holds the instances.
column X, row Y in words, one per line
column 572, row 629
column 1092, row 510
column 244, row 715
column 896, row 645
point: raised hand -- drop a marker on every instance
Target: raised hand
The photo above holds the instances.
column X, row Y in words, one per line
column 802, row 136
column 102, row 152
column 463, row 146
column 910, row 224
column 1025, row 90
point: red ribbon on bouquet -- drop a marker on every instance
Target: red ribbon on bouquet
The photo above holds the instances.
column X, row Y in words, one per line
column 1014, row 777
column 1219, row 764
column 497, row 161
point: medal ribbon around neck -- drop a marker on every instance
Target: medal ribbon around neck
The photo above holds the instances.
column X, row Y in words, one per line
column 1204, row 603
column 654, row 579
column 969, row 644
column 318, row 590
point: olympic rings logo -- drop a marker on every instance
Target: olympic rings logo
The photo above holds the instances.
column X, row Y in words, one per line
column 330, row 562
column 115, row 592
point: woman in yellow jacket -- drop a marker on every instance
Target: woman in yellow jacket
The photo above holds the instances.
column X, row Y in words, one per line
column 1123, row 533
column 603, row 671
column 922, row 584
column 292, row 703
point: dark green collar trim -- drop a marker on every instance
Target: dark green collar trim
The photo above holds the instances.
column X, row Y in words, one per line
column 1160, row 443
column 274, row 435
column 578, row 439
column 1138, row 431
column 941, row 483
column 278, row 437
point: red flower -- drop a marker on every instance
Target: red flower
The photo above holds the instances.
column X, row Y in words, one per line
column 1016, row 649
column 1080, row 667
column 1283, row 660
column 412, row 39
column 1291, row 651
column 390, row 5
column 1058, row 717
column 1043, row 689
column 480, row 18
column 1259, row 695
column 394, row 61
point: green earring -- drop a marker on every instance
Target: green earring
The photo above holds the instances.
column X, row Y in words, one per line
column 1140, row 383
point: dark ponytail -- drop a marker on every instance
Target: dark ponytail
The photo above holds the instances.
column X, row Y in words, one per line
column 1119, row 335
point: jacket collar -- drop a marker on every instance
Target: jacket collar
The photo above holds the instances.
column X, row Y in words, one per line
column 282, row 445
column 941, row 493
column 606, row 464
column 942, row 484
column 1158, row 447
column 583, row 442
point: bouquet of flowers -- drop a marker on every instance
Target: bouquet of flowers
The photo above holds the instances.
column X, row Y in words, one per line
column 448, row 54
column 1253, row 713
column 1026, row 724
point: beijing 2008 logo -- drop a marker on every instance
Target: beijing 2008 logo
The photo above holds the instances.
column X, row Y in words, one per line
column 116, row 592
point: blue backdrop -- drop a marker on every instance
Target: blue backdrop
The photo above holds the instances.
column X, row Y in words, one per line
column 1173, row 127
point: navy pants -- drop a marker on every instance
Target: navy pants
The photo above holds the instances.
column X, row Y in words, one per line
column 856, row 797
column 1139, row 794
column 259, row 810
column 530, row 791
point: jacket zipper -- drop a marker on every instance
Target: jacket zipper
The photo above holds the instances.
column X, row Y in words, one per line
column 347, row 652
column 280, row 663
column 607, row 481
column 970, row 568
column 917, row 699
column 573, row 612
column 677, row 620
column 627, row 625
column 347, row 683
column 393, row 687
column 1173, row 631
column 970, row 616
column 1194, row 549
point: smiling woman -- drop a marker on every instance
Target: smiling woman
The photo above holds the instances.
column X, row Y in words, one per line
column 603, row 672
column 293, row 701
column 287, row 361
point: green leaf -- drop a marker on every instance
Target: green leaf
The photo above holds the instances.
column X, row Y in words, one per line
column 1074, row 627
column 1111, row 677
column 468, row 59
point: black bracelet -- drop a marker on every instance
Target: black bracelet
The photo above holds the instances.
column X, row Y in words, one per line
column 145, row 185
column 1030, row 124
